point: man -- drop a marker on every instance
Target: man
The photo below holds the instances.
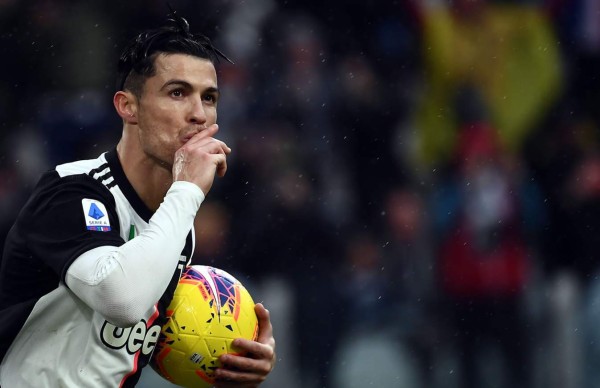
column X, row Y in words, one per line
column 100, row 245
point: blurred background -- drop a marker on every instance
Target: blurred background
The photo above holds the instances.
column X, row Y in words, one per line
column 414, row 191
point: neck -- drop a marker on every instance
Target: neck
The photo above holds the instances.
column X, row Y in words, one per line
column 150, row 180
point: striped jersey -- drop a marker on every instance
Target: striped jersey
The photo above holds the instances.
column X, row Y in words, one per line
column 48, row 336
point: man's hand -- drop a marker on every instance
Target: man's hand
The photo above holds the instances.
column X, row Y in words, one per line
column 200, row 158
column 250, row 370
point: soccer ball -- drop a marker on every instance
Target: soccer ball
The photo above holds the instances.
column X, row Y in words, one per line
column 210, row 308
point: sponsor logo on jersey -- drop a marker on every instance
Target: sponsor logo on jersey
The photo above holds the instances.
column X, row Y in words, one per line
column 96, row 216
column 132, row 339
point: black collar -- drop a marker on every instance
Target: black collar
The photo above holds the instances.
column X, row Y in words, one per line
column 121, row 179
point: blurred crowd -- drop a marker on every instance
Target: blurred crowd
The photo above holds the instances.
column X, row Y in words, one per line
column 414, row 188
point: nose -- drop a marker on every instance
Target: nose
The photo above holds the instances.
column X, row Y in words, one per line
column 197, row 114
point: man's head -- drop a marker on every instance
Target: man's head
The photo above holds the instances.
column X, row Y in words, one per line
column 136, row 63
column 167, row 92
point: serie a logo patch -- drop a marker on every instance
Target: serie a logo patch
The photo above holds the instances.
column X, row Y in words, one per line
column 96, row 216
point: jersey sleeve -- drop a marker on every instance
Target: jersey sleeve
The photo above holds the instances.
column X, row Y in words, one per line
column 68, row 216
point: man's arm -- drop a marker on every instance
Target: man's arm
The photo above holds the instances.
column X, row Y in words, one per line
column 123, row 283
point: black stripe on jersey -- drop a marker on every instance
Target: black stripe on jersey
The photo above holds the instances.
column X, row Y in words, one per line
column 104, row 177
column 99, row 169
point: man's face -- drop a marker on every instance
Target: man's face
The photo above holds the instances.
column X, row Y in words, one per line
column 179, row 101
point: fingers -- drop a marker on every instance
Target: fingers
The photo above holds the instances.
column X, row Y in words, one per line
column 221, row 163
column 211, row 144
column 259, row 360
column 265, row 333
column 242, row 371
column 210, row 131
column 242, row 364
column 225, row 378
column 201, row 158
column 254, row 349
column 207, row 144
column 206, row 137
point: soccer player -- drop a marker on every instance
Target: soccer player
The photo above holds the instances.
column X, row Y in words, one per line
column 93, row 258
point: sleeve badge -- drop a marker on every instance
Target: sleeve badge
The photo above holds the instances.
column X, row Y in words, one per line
column 96, row 216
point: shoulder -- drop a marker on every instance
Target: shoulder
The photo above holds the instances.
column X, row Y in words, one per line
column 91, row 167
column 72, row 181
column 82, row 172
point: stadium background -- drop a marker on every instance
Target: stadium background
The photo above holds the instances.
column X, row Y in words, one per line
column 414, row 190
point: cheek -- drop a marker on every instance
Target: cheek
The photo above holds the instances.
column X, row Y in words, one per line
column 160, row 121
column 211, row 115
column 158, row 134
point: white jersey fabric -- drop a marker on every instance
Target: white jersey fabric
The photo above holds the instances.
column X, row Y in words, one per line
column 93, row 323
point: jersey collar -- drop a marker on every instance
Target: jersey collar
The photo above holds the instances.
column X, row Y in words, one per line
column 121, row 179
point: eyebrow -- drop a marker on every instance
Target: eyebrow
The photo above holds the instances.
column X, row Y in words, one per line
column 187, row 85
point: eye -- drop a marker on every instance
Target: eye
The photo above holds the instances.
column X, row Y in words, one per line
column 177, row 93
column 211, row 98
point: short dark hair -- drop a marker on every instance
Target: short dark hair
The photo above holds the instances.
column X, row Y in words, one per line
column 136, row 63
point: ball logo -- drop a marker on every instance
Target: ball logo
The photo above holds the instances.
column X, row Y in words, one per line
column 135, row 338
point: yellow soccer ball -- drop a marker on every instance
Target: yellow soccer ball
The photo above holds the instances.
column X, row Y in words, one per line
column 210, row 308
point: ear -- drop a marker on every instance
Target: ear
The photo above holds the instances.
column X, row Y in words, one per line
column 126, row 106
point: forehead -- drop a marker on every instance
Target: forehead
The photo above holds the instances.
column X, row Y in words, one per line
column 198, row 72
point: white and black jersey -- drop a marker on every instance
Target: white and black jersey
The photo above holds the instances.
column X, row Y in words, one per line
column 49, row 336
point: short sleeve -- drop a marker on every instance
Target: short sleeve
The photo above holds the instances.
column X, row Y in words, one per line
column 68, row 216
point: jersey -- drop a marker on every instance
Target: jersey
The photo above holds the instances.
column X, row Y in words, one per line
column 48, row 336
